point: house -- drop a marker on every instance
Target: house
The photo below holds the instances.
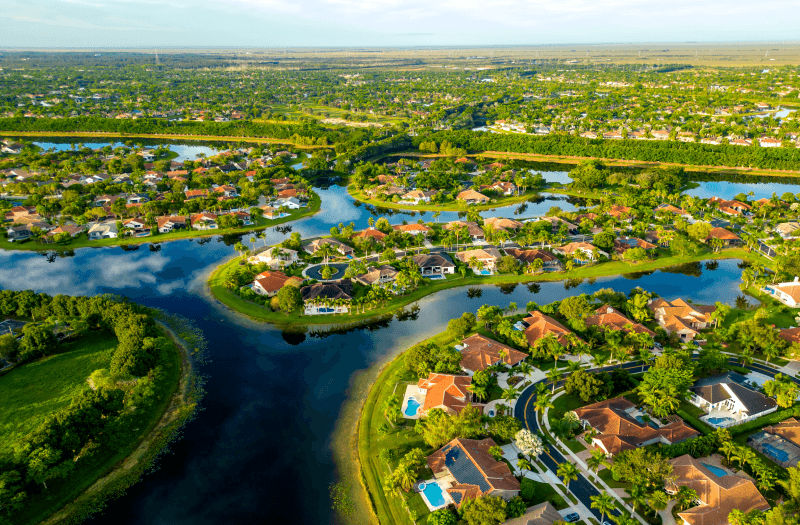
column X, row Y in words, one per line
column 623, row 244
column 472, row 197
column 474, row 231
column 526, row 257
column 19, row 233
column 20, row 211
column 680, row 317
column 472, row 470
column 72, row 229
column 226, row 190
column 168, row 224
column 412, row 229
column 621, row 426
column 542, row 514
column 502, row 224
column 243, row 216
column 503, row 188
column 556, row 222
column 781, row 442
column 434, row 265
column 136, row 224
column 620, row 212
column 729, row 400
column 275, row 257
column 729, row 239
column 479, row 353
column 610, row 317
column 268, row 283
column 732, row 208
column 272, row 213
column 787, row 229
column 538, row 325
column 487, row 256
column 717, row 495
column 204, row 221
column 337, row 245
column 669, row 208
column 768, row 142
column 103, row 230
column 573, row 248
column 290, row 204
column 417, row 196
column 660, row 134
column 328, row 298
column 380, row 275
column 787, row 293
column 589, row 135
column 445, row 391
column 790, row 335
column 195, row 194
column 371, row 233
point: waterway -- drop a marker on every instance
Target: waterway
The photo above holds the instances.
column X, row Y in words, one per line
column 262, row 449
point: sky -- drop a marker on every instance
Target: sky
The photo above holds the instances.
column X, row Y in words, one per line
column 268, row 23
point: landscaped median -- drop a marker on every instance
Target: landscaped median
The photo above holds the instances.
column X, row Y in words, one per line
column 82, row 240
column 255, row 311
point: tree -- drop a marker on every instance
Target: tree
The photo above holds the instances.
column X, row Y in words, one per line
column 439, row 428
column 711, row 357
column 9, row 347
column 442, row 517
column 575, row 307
column 289, row 298
column 43, row 464
column 659, row 500
column 603, row 503
column 404, row 477
column 596, row 460
column 37, row 340
column 699, row 230
column 568, row 472
column 485, row 510
column 504, row 427
column 584, row 384
column 783, row 389
column 459, row 327
column 516, row 507
column 685, row 497
column 529, row 443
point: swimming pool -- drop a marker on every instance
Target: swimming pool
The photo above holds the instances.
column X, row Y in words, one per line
column 715, row 470
column 412, row 408
column 780, row 455
column 435, row 277
column 720, row 420
column 433, row 494
column 486, row 272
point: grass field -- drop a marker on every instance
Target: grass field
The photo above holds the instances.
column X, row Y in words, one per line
column 82, row 240
column 29, row 387
column 33, row 391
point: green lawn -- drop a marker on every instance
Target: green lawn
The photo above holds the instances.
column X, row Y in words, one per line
column 82, row 240
column 563, row 404
column 545, row 492
column 33, row 391
column 574, row 445
column 606, row 476
column 68, row 371
column 691, row 414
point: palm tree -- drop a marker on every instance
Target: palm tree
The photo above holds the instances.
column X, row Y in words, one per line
column 405, row 477
column 573, row 366
column 510, row 394
column 524, row 368
column 596, row 460
column 568, row 472
column 685, row 496
column 728, row 448
column 554, row 374
column 542, row 403
column 524, row 464
column 603, row 503
column 478, row 391
column 743, row 455
column 659, row 501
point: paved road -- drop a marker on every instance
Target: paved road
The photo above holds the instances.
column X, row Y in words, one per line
column 582, row 488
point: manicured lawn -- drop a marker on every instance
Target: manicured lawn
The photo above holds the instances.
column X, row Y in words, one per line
column 574, row 445
column 545, row 492
column 691, row 414
column 137, row 427
column 606, row 476
column 33, row 391
column 563, row 404
column 82, row 240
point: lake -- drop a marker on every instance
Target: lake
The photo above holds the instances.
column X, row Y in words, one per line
column 184, row 151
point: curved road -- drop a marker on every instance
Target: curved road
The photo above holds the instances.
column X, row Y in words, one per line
column 582, row 488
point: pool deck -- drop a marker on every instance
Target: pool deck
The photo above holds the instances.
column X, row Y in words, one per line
column 412, row 391
column 444, row 483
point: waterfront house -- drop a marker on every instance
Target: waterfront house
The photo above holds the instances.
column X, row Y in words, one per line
column 103, row 230
column 609, row 317
column 171, row 223
column 621, row 426
column 290, row 204
column 729, row 400
column 556, row 222
column 72, row 229
column 729, row 239
column 370, row 233
column 488, row 257
column 623, row 244
column 472, row 471
column 474, row 231
column 718, row 492
column 479, row 353
column 572, row 249
column 328, row 298
column 434, row 264
column 502, row 224
column 538, row 325
column 268, row 283
column 418, row 196
column 412, row 229
column 447, row 392
column 204, row 221
column 337, row 245
column 788, row 293
column 276, row 257
column 381, row 275
column 472, row 197
column 526, row 257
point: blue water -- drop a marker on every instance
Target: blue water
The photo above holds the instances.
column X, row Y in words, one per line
column 434, row 494
column 718, row 420
column 412, row 408
column 184, row 151
column 715, row 470
column 486, row 272
column 780, row 455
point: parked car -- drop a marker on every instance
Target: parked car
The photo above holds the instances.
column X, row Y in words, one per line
column 572, row 517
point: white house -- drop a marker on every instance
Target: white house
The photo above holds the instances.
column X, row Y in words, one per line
column 276, row 257
column 728, row 400
column 103, row 230
column 291, row 203
column 787, row 293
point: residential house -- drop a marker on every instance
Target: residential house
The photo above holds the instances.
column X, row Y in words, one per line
column 328, row 298
column 610, row 317
column 621, row 426
column 137, row 225
column 768, row 142
column 479, row 353
column 788, row 293
column 370, row 233
column 538, row 325
column 620, row 212
column 472, row 470
column 526, row 257
column 18, row 212
column 669, row 208
column 475, row 232
column 412, row 229
column 195, row 194
column 204, row 221
column 487, row 256
column 276, row 257
column 623, row 244
column 103, row 230
column 730, row 207
column 588, row 250
column 418, row 196
column 434, row 265
column 780, row 443
column 728, row 238
column 171, row 223
column 503, row 188
column 290, row 204
column 272, row 213
column 445, row 391
column 541, row 514
column 502, row 224
column 589, row 135
column 472, row 197
column 243, row 216
column 787, row 229
column 19, row 233
column 556, row 222
column 226, row 190
column 660, row 134
column 268, row 283
column 717, row 495
column 729, row 400
column 380, row 275
column 72, row 229
column 680, row 317
column 337, row 245
column 790, row 335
